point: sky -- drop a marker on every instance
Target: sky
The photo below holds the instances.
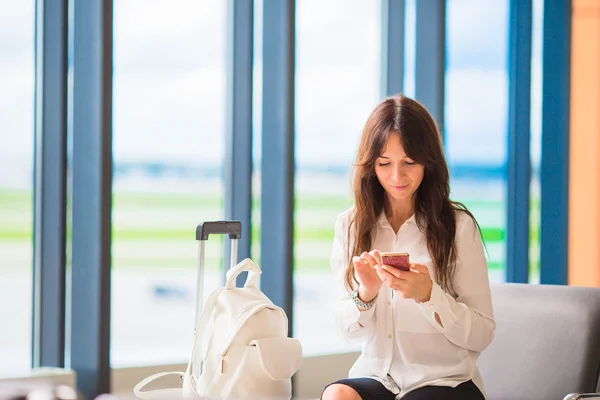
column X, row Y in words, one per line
column 169, row 85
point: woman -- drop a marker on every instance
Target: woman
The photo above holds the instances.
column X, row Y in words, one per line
column 423, row 329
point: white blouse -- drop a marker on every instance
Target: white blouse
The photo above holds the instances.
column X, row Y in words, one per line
column 403, row 346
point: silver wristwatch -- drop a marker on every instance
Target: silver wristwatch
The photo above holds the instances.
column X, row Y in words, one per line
column 360, row 303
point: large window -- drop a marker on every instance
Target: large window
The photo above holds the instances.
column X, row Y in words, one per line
column 16, row 182
column 169, row 122
column 169, row 103
column 476, row 117
column 337, row 85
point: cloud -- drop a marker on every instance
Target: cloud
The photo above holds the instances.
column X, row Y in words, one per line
column 477, row 33
column 17, row 27
column 169, row 36
column 169, row 82
column 476, row 115
column 170, row 119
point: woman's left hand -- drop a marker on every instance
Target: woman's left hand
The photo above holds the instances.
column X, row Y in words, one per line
column 413, row 284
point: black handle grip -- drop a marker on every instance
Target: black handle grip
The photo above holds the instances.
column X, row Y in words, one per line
column 231, row 228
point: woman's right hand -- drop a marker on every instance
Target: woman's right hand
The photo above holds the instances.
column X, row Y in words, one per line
column 365, row 271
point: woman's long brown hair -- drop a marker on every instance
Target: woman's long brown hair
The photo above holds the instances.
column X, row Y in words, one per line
column 435, row 213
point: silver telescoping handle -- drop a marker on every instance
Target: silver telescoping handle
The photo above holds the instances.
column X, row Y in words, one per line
column 199, row 281
column 234, row 253
column 231, row 228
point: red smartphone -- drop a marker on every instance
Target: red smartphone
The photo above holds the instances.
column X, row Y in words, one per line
column 396, row 260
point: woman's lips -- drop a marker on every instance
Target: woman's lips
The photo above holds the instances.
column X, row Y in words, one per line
column 402, row 187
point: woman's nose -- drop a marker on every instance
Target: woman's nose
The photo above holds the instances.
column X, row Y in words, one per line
column 398, row 173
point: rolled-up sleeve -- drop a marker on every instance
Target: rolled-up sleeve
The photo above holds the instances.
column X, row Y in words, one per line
column 353, row 324
column 468, row 319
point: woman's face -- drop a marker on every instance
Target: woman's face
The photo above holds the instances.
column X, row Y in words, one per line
column 399, row 175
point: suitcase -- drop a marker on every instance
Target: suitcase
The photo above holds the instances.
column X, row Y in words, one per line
column 203, row 231
column 252, row 353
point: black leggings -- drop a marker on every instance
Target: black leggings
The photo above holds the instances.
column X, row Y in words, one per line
column 370, row 389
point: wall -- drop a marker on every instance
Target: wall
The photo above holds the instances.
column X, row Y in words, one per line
column 584, row 196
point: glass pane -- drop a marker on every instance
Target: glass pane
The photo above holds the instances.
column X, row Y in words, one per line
column 477, row 116
column 536, row 141
column 337, row 86
column 410, row 47
column 256, row 129
column 168, row 121
column 17, row 74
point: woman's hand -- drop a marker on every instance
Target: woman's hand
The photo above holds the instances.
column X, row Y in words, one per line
column 366, row 273
column 413, row 284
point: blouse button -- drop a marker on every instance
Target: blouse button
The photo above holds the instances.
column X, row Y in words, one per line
column 389, row 336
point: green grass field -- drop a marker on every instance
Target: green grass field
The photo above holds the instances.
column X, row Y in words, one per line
column 157, row 230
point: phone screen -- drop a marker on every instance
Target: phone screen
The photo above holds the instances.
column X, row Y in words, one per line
column 396, row 260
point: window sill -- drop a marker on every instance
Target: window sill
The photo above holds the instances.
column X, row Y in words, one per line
column 36, row 378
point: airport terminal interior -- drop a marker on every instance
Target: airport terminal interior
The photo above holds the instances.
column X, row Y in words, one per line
column 127, row 127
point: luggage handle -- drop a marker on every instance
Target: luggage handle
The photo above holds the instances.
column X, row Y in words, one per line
column 203, row 230
column 231, row 228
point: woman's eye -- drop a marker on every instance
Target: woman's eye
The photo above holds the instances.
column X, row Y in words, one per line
column 409, row 162
column 384, row 164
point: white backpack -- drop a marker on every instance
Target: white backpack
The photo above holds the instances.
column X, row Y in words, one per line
column 248, row 353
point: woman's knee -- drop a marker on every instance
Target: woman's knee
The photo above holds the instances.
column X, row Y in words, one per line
column 340, row 392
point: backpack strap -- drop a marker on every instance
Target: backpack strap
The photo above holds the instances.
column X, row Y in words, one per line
column 211, row 302
column 137, row 390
